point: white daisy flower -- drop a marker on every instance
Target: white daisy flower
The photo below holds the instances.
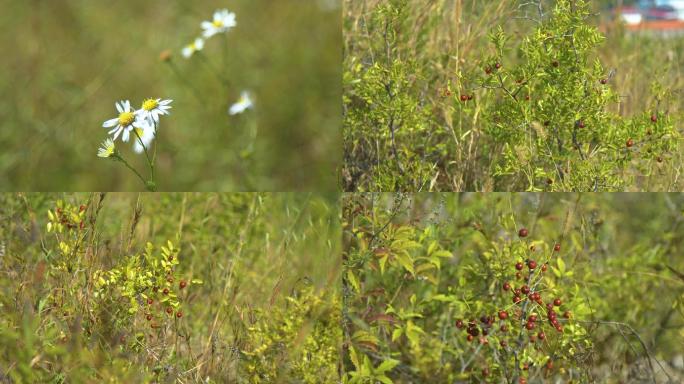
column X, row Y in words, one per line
column 146, row 134
column 223, row 22
column 153, row 108
column 124, row 124
column 245, row 102
column 107, row 148
column 195, row 46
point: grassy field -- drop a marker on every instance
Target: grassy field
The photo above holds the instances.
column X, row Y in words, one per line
column 440, row 288
column 551, row 103
column 68, row 61
column 170, row 287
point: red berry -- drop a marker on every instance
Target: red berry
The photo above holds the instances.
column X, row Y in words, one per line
column 179, row 314
column 183, row 284
column 604, row 81
column 549, row 364
column 518, row 275
column 82, row 208
column 506, row 286
column 541, row 335
column 464, row 97
column 525, row 289
column 488, row 70
column 549, row 307
column 533, row 338
column 532, row 318
column 503, row 343
column 555, row 63
column 516, row 299
column 166, row 291
column 523, row 232
column 459, row 323
column 531, row 264
column 556, row 247
column 503, row 315
column 557, row 302
column 654, row 118
column 522, row 380
column 529, row 326
column 148, row 317
column 559, row 328
column 498, row 65
column 517, row 292
column 470, row 97
column 504, row 328
column 659, row 159
column 150, row 301
column 544, row 267
column 519, row 266
column 567, row 314
column 470, row 338
column 629, row 143
column 485, row 372
column 169, row 310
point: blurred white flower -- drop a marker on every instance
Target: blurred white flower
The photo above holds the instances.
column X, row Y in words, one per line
column 124, row 124
column 195, row 46
column 153, row 108
column 223, row 22
column 107, row 148
column 146, row 134
column 245, row 102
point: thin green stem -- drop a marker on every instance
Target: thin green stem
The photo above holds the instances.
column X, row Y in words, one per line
column 118, row 157
column 147, row 155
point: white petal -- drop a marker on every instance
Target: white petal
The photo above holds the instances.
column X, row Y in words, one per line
column 118, row 131
column 119, row 106
column 110, row 123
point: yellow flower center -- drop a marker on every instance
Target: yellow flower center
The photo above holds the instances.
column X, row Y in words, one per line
column 150, row 104
column 126, row 118
column 218, row 23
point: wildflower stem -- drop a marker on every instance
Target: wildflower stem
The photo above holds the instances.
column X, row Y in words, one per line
column 121, row 159
column 213, row 69
column 147, row 155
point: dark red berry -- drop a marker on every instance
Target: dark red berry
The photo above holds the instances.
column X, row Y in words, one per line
column 516, row 299
column 149, row 317
column 82, row 208
column 525, row 289
column 559, row 328
column 557, row 302
column 497, row 65
column 659, row 159
column 529, row 326
column 464, row 97
column 531, row 264
column 654, row 118
column 459, row 323
column 503, row 315
column 166, row 291
column 580, row 124
column 556, row 247
column 179, row 314
column 519, row 266
column 567, row 314
column 183, row 284
column 544, row 267
column 541, row 335
column 555, row 63
column 470, row 97
column 503, row 343
column 629, row 143
column 533, row 338
column 150, row 301
column 506, row 286
column 488, row 70
column 523, row 232
column 532, row 318
column 503, row 328
column 518, row 275
column 604, row 81
column 169, row 310
column 549, row 307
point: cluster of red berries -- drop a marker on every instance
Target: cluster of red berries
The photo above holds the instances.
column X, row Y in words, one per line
column 169, row 310
column 489, row 70
column 466, row 97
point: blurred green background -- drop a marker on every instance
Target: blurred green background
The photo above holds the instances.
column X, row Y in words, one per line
column 66, row 62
